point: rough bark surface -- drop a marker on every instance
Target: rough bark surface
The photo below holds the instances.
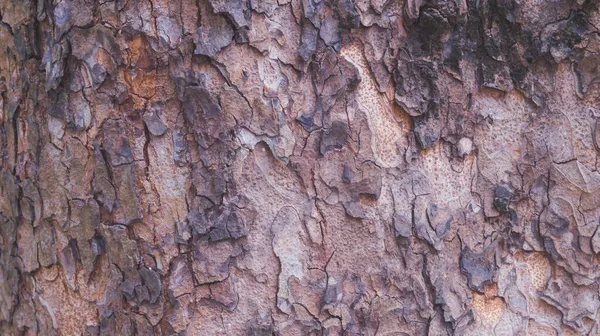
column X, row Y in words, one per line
column 299, row 167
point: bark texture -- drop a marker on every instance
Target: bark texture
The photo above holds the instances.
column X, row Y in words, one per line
column 299, row 167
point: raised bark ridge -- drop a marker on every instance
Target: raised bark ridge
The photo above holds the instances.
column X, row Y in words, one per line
column 299, row 167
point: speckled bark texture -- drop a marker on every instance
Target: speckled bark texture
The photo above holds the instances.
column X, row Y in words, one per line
column 299, row 167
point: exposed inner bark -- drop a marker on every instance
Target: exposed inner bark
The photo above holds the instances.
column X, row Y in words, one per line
column 299, row 167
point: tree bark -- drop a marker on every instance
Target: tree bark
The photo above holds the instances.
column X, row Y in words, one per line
column 299, row 167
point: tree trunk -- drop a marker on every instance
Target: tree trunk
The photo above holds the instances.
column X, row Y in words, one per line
column 299, row 167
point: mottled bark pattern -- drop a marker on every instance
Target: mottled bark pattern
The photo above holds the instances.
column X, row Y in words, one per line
column 299, row 167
